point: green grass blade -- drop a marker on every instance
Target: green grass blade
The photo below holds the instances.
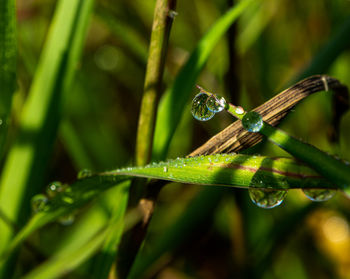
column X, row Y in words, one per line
column 63, row 263
column 27, row 160
column 8, row 57
column 128, row 36
column 104, row 260
column 333, row 169
column 76, row 196
column 178, row 232
column 236, row 170
column 320, row 63
column 173, row 102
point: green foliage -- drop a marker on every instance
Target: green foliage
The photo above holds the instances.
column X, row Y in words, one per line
column 78, row 108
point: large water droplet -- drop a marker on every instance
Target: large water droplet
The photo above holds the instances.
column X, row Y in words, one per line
column 319, row 195
column 267, row 198
column 85, row 173
column 199, row 109
column 39, row 203
column 53, row 188
column 216, row 103
column 252, row 121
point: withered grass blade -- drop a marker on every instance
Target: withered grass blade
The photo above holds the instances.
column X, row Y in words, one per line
column 235, row 138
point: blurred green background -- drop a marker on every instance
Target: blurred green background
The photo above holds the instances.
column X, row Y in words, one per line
column 273, row 44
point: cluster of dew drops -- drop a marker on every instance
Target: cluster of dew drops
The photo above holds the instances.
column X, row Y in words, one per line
column 204, row 107
column 42, row 202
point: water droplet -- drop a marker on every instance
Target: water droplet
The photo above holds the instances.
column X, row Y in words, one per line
column 216, row 103
column 252, row 121
column 199, row 109
column 165, row 169
column 319, row 195
column 266, row 198
column 85, row 173
column 39, row 203
column 67, row 220
column 239, row 110
column 53, row 189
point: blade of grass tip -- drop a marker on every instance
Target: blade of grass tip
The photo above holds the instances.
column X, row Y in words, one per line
column 27, row 160
column 8, row 57
column 173, row 102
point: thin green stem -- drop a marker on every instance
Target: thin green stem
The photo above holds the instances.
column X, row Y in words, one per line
column 152, row 88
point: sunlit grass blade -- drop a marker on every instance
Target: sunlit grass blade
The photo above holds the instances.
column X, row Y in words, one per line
column 234, row 170
column 173, row 102
column 27, row 160
column 8, row 57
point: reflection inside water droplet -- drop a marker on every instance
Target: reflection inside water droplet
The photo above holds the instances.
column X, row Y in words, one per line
column 39, row 203
column 266, row 198
column 252, row 121
column 199, row 108
column 319, row 195
column 53, row 188
column 216, row 103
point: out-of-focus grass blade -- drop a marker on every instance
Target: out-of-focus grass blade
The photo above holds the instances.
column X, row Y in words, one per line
column 8, row 56
column 63, row 263
column 104, row 259
column 81, row 192
column 132, row 41
column 27, row 160
column 178, row 232
column 320, row 63
column 173, row 102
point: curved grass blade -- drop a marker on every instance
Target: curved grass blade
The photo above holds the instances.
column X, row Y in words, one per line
column 173, row 102
column 8, row 57
column 27, row 160
column 235, row 138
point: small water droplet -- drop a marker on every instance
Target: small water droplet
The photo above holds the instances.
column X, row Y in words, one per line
column 85, row 173
column 266, row 198
column 199, row 109
column 319, row 195
column 1, row 121
column 216, row 103
column 165, row 169
column 67, row 220
column 39, row 203
column 239, row 110
column 53, row 189
column 252, row 121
